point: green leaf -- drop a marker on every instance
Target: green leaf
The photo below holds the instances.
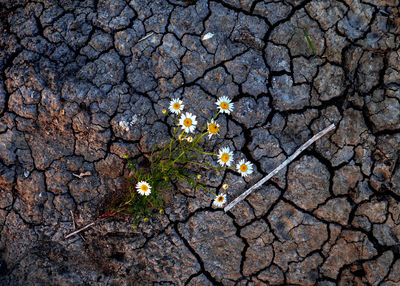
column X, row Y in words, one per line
column 310, row 43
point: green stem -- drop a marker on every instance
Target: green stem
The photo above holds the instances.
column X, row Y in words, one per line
column 216, row 116
column 183, row 152
column 170, row 147
column 197, row 163
column 204, row 165
column 197, row 141
column 204, row 188
column 207, row 153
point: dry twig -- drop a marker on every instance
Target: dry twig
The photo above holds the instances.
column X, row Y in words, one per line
column 82, row 174
column 280, row 167
column 81, row 229
column 74, row 224
column 145, row 37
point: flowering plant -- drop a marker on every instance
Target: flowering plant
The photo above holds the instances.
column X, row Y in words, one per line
column 143, row 193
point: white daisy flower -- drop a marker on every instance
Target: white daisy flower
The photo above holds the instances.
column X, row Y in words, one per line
column 244, row 168
column 224, row 104
column 143, row 188
column 225, row 156
column 220, row 200
column 212, row 128
column 188, row 122
column 176, row 106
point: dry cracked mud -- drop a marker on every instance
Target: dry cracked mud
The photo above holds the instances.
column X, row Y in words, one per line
column 84, row 82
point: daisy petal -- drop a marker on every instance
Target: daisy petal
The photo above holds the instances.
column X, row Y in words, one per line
column 188, row 122
column 225, row 157
column 176, row 106
column 207, row 36
column 220, row 200
column 224, row 104
column 212, row 128
column 143, row 188
column 244, row 168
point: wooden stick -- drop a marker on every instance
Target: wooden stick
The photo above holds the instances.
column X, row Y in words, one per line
column 280, row 167
column 74, row 224
column 79, row 230
column 73, row 219
column 145, row 37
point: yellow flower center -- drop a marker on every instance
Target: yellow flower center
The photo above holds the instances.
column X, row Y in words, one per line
column 187, row 122
column 220, row 199
column 144, row 188
column 224, row 105
column 213, row 128
column 225, row 157
column 176, row 105
column 243, row 168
